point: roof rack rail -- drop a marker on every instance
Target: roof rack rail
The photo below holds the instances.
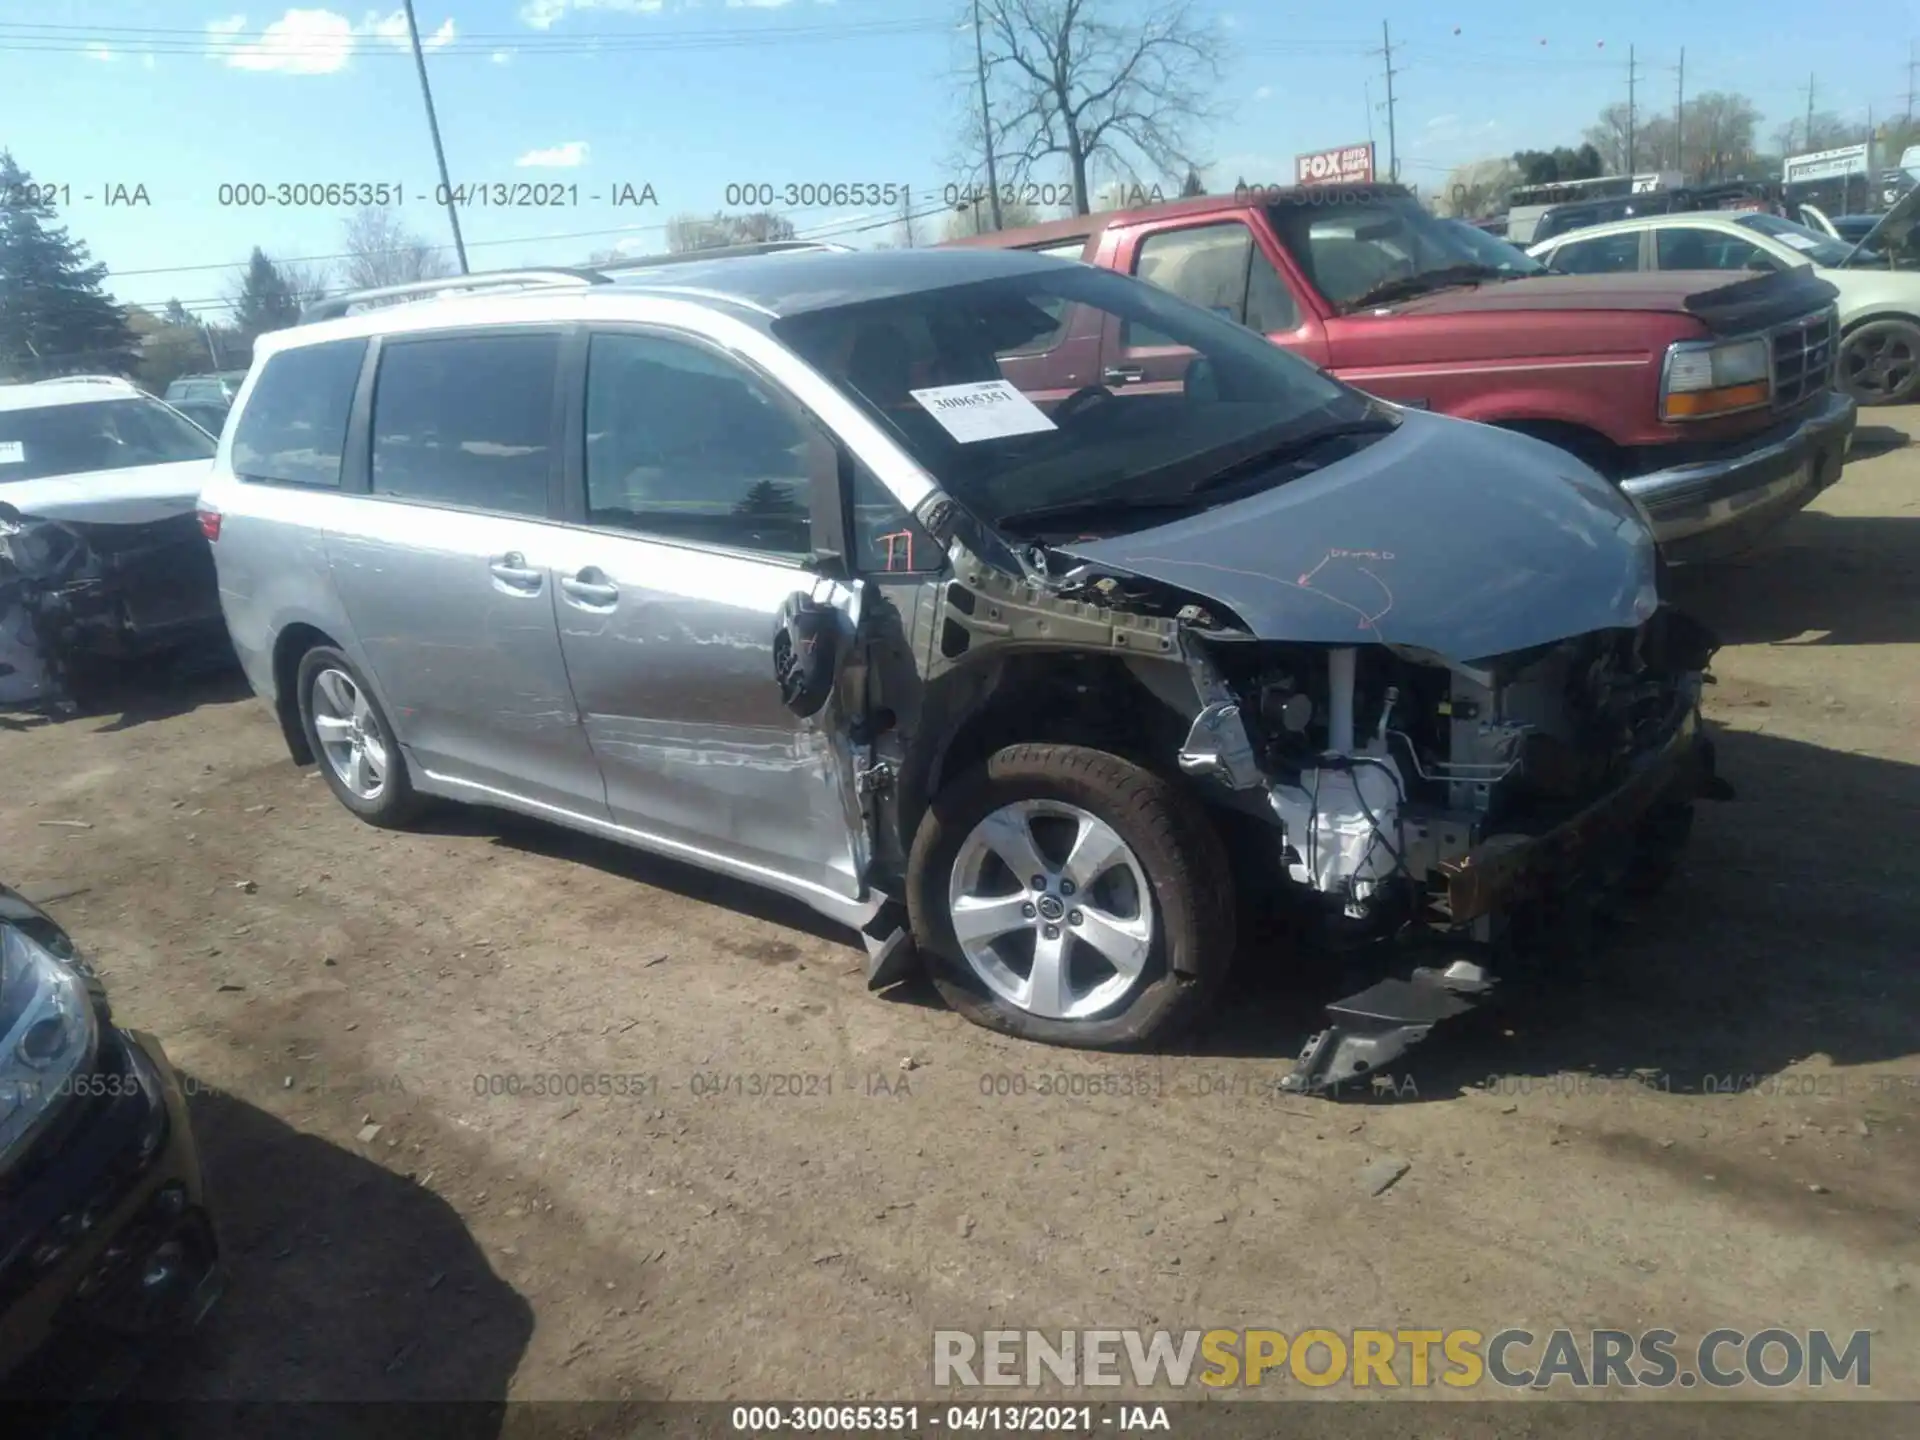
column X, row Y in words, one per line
column 84, row 379
column 335, row 306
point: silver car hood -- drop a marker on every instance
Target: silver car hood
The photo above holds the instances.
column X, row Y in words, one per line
column 1446, row 536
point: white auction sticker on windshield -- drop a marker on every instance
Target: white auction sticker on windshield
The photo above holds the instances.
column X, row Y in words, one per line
column 1800, row 242
column 982, row 410
column 13, row 452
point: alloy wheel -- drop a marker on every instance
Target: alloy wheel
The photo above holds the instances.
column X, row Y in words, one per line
column 350, row 737
column 1878, row 365
column 1051, row 909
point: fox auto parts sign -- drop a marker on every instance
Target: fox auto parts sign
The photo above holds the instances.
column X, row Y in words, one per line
column 1350, row 164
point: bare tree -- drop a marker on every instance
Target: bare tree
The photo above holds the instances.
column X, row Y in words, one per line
column 382, row 251
column 1715, row 136
column 1072, row 82
column 703, row 232
column 1477, row 189
column 1827, row 131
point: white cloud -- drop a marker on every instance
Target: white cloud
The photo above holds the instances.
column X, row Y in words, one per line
column 544, row 14
column 147, row 62
column 757, row 4
column 556, row 157
column 1265, row 92
column 102, row 54
column 312, row 42
column 1441, row 122
column 502, row 57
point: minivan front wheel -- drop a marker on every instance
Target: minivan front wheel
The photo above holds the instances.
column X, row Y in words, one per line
column 352, row 740
column 1065, row 895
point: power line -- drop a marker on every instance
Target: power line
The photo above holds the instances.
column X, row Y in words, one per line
column 857, row 225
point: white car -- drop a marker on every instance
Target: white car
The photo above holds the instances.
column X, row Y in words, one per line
column 101, row 552
column 1879, row 362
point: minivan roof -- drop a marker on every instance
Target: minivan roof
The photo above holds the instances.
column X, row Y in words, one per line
column 756, row 288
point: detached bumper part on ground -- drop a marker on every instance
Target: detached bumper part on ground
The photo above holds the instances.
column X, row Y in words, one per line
column 1714, row 508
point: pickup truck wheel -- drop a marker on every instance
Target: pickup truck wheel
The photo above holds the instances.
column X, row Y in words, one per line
column 1064, row 895
column 1880, row 362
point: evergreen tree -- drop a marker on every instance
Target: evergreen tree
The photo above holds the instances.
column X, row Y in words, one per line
column 267, row 298
column 55, row 319
column 177, row 314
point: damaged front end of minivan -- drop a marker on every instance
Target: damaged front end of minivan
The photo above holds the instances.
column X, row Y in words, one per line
column 1460, row 733
column 77, row 598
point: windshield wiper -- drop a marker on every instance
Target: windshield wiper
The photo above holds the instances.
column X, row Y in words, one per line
column 1403, row 287
column 1288, row 450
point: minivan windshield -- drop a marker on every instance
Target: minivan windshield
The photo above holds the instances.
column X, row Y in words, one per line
column 999, row 390
column 36, row 444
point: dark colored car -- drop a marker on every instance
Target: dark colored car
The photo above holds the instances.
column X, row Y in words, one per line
column 206, row 399
column 104, row 1227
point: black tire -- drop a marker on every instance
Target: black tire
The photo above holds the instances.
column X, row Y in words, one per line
column 1178, row 851
column 397, row 804
column 1880, row 362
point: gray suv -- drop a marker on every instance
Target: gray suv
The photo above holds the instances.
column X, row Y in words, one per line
column 852, row 576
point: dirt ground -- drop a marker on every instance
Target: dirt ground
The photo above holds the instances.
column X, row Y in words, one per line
column 710, row 1234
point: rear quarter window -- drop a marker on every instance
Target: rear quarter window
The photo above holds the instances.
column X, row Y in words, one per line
column 294, row 428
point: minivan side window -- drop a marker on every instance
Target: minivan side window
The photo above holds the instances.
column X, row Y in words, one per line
column 685, row 444
column 1217, row 267
column 295, row 427
column 467, row 420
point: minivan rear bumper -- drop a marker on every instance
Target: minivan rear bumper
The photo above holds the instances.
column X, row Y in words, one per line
column 1711, row 509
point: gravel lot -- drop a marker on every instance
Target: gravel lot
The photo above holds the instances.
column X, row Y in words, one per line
column 719, row 1237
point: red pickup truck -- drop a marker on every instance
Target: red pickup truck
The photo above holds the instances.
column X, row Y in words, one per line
column 1708, row 398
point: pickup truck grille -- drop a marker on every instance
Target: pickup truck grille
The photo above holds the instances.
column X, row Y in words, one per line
column 1803, row 358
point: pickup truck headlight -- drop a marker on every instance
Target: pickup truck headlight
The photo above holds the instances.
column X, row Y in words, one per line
column 1704, row 378
column 48, row 1034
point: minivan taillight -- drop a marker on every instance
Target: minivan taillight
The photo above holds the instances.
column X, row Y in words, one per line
column 209, row 523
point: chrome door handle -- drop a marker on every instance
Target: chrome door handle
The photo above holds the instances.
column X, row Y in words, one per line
column 589, row 591
column 512, row 569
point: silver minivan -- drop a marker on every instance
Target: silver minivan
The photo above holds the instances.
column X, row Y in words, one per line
column 856, row 576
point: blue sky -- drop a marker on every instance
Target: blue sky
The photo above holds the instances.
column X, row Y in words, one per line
column 689, row 96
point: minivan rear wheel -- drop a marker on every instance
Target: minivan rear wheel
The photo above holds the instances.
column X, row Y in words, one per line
column 352, row 741
column 1065, row 895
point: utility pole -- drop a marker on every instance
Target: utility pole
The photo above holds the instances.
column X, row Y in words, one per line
column 1633, row 73
column 1680, row 115
column 1393, row 147
column 433, row 125
column 906, row 218
column 1809, row 135
column 986, row 121
column 1913, row 64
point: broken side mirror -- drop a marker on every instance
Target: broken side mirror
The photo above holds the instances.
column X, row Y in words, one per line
column 806, row 653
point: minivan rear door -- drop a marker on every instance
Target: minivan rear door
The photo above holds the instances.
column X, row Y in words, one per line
column 442, row 554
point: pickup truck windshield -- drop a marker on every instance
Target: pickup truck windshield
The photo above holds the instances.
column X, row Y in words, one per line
column 999, row 390
column 1379, row 248
column 55, row 440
